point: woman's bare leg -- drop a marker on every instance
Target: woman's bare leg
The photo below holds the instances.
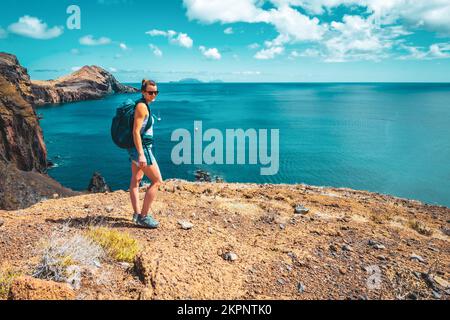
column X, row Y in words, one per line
column 153, row 173
column 136, row 178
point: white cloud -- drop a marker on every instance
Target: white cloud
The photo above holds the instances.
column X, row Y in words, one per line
column 75, row 52
column 123, row 46
column 294, row 26
column 156, row 51
column 253, row 46
column 183, row 40
column 429, row 14
column 155, row 33
column 178, row 38
column 434, row 51
column 112, row 69
column 210, row 11
column 89, row 40
column 269, row 53
column 3, row 33
column 307, row 53
column 357, row 38
column 75, row 68
column 33, row 27
column 228, row 30
column 290, row 23
column 369, row 36
column 212, row 53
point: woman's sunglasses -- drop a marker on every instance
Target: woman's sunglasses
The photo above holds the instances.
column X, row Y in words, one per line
column 153, row 93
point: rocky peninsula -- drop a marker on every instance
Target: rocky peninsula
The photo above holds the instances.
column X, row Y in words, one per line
column 88, row 83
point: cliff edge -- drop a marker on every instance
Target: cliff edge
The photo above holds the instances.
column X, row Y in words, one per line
column 233, row 241
column 23, row 154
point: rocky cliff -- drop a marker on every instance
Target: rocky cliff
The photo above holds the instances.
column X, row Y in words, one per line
column 90, row 82
column 23, row 154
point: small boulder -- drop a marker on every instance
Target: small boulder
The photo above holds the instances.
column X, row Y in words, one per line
column 98, row 184
column 230, row 256
column 300, row 287
column 109, row 209
column 2, row 222
column 376, row 245
column 417, row 258
column 28, row 288
column 299, row 209
column 202, row 176
column 442, row 282
column 185, row 225
column 346, row 247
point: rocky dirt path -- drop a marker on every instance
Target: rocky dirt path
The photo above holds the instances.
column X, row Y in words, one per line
column 246, row 241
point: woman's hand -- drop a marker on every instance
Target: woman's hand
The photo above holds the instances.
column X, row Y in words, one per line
column 142, row 161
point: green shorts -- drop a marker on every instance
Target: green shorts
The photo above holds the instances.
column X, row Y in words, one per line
column 148, row 152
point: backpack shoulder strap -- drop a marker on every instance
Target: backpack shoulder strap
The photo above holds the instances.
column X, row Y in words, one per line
column 150, row 117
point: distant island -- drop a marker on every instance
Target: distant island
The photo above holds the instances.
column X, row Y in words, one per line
column 195, row 81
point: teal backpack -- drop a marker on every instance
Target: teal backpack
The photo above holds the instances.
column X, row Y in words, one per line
column 122, row 124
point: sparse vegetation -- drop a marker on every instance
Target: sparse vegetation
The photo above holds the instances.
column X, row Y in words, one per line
column 63, row 256
column 380, row 216
column 420, row 227
column 120, row 245
column 7, row 276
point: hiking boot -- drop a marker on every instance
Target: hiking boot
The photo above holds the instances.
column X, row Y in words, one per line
column 147, row 222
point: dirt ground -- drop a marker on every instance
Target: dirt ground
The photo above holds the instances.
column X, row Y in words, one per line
column 350, row 245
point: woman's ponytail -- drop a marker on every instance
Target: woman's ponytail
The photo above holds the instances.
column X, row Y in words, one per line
column 146, row 83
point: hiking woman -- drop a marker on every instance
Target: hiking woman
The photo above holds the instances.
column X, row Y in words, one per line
column 142, row 158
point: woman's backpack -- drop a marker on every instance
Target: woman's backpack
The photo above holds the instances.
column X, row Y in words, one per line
column 123, row 122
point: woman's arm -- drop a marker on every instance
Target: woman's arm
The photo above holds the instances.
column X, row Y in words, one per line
column 139, row 116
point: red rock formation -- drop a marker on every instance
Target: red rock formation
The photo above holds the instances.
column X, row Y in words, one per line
column 21, row 141
column 28, row 288
column 23, row 154
column 88, row 83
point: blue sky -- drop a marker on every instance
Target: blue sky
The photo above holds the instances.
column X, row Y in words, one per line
column 234, row 40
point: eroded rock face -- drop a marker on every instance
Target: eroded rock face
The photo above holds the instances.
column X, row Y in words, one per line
column 23, row 154
column 21, row 189
column 88, row 83
column 21, row 140
column 28, row 288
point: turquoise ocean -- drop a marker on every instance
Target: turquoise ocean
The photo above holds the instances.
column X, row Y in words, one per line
column 381, row 137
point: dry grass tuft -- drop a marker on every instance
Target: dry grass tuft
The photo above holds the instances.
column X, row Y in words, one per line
column 120, row 245
column 7, row 276
column 420, row 228
column 64, row 255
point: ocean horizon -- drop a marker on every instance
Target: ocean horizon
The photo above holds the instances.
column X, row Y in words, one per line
column 390, row 138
